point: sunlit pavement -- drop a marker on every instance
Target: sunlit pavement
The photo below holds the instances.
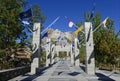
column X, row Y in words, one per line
column 64, row 71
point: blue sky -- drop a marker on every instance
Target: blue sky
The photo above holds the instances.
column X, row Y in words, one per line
column 75, row 9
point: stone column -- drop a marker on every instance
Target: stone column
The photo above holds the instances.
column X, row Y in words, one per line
column 57, row 55
column 52, row 54
column 48, row 52
column 36, row 51
column 76, row 49
column 89, row 49
column 67, row 55
column 72, row 55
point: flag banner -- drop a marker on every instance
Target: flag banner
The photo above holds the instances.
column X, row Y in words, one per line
column 26, row 14
column 25, row 22
column 93, row 11
column 70, row 23
column 59, row 38
column 78, row 30
column 104, row 22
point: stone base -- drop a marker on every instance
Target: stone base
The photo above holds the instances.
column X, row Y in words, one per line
column 77, row 63
column 34, row 65
column 90, row 68
column 72, row 59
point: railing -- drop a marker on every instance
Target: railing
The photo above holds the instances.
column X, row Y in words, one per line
column 11, row 73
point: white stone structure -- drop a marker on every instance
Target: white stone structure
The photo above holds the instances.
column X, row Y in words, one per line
column 53, row 34
column 36, row 52
column 90, row 63
column 70, row 36
column 59, row 48
column 52, row 54
column 76, row 51
column 48, row 52
column 72, row 55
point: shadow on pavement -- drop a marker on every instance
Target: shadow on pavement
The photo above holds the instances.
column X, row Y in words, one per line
column 102, row 77
column 40, row 72
column 83, row 68
column 74, row 73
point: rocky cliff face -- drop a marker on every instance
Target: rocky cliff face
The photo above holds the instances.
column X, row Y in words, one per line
column 56, row 35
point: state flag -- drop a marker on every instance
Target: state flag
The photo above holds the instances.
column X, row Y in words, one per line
column 26, row 14
column 104, row 22
column 70, row 23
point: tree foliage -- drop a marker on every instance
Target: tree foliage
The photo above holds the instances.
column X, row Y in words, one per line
column 11, row 30
column 9, row 27
column 37, row 14
column 106, row 41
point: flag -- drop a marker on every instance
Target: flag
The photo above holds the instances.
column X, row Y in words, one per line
column 93, row 11
column 59, row 38
column 26, row 14
column 59, row 41
column 70, row 23
column 78, row 30
column 104, row 22
column 25, row 22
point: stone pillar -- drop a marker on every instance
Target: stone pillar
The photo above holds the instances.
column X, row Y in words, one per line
column 89, row 49
column 48, row 52
column 52, row 54
column 57, row 55
column 36, row 51
column 76, row 50
column 72, row 55
column 67, row 55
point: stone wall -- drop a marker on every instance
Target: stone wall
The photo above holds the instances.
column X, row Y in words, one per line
column 11, row 73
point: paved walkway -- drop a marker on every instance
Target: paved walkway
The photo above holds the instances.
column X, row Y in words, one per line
column 63, row 71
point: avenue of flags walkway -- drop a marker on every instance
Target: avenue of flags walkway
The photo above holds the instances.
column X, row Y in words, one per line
column 63, row 71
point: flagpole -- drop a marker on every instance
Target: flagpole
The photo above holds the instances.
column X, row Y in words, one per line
column 78, row 27
column 99, row 25
column 50, row 24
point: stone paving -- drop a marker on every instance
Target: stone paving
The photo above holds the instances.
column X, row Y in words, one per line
column 64, row 71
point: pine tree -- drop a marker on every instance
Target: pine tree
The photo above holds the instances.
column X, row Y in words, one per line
column 10, row 29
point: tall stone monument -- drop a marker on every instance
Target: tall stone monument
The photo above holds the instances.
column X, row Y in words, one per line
column 52, row 53
column 72, row 55
column 76, row 50
column 36, row 52
column 48, row 52
column 89, row 49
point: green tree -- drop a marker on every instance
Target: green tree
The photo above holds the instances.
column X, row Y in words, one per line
column 38, row 15
column 105, row 40
column 9, row 27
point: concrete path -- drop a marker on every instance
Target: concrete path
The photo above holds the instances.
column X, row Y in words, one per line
column 64, row 71
column 61, row 71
